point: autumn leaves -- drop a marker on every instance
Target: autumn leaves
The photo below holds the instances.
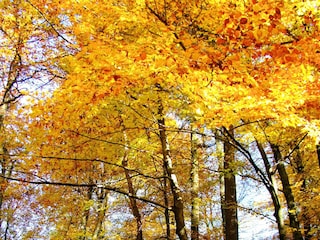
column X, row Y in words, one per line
column 142, row 98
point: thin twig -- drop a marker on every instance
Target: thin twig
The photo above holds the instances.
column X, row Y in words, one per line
column 51, row 25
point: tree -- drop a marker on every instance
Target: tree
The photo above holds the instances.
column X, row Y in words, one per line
column 133, row 201
column 229, row 203
column 292, row 210
column 25, row 68
column 111, row 128
column 195, row 211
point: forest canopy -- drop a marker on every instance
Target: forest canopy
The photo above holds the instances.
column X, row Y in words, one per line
column 160, row 119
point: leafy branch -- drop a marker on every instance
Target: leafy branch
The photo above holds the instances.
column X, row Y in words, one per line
column 85, row 185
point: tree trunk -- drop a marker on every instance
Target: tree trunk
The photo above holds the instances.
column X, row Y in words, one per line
column 230, row 199
column 292, row 209
column 133, row 202
column 221, row 187
column 103, row 201
column 86, row 213
column 8, row 98
column 273, row 190
column 175, row 189
column 194, row 191
column 318, row 153
column 220, row 156
column 307, row 226
column 166, row 203
column 4, row 172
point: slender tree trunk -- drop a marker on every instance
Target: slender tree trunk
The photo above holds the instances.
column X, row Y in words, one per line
column 318, row 153
column 222, row 189
column 5, row 163
column 220, row 155
column 194, row 191
column 267, row 178
column 307, row 227
column 3, row 182
column 4, row 157
column 6, row 230
column 166, row 203
column 230, row 199
column 133, row 202
column 178, row 205
column 103, row 201
column 292, row 209
column 278, row 214
column 86, row 212
column 273, row 190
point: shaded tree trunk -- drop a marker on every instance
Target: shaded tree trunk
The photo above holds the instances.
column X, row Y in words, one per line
column 318, row 153
column 133, row 202
column 178, row 205
column 273, row 190
column 103, row 201
column 292, row 209
column 86, row 212
column 194, row 191
column 230, row 198
column 222, row 191
column 299, row 166
column 4, row 172
column 166, row 203
column 8, row 98
column 219, row 143
column 267, row 178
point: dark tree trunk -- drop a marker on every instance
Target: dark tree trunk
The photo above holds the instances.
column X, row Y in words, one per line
column 318, row 153
column 274, row 193
column 102, row 196
column 194, row 191
column 133, row 201
column 292, row 209
column 305, row 219
column 230, row 198
column 166, row 203
column 178, row 206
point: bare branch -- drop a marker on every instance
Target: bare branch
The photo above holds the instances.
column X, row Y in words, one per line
column 295, row 147
column 88, row 160
column 85, row 185
column 51, row 25
column 253, row 211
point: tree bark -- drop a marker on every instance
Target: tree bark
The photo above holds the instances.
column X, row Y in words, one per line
column 273, row 190
column 292, row 209
column 194, row 191
column 4, row 172
column 230, row 198
column 318, row 153
column 178, row 205
column 267, row 178
column 8, row 98
column 103, row 201
column 166, row 203
column 307, row 226
column 133, row 202
column 86, row 213
column 221, row 186
column 222, row 201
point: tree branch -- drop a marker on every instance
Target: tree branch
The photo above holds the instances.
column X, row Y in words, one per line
column 51, row 25
column 88, row 160
column 85, row 185
column 295, row 147
column 253, row 211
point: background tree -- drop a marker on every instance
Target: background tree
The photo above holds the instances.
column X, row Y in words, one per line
column 28, row 64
